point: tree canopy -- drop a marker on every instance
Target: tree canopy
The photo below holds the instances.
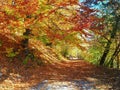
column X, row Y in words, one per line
column 38, row 26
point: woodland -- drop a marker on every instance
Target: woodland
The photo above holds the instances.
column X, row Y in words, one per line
column 47, row 39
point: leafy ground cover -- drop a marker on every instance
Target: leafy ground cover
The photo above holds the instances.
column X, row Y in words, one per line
column 35, row 37
column 14, row 75
column 17, row 76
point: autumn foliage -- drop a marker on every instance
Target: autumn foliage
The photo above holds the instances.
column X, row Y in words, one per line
column 55, row 20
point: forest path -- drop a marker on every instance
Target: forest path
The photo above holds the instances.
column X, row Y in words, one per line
column 22, row 76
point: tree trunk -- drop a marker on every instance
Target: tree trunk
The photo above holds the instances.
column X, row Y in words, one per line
column 112, row 36
column 105, row 53
column 115, row 54
column 25, row 42
column 118, row 61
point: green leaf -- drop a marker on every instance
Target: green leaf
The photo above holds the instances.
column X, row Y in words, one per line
column 10, row 53
column 26, row 59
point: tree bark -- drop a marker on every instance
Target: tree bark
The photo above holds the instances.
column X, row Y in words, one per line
column 25, row 42
column 112, row 36
column 115, row 54
column 118, row 61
